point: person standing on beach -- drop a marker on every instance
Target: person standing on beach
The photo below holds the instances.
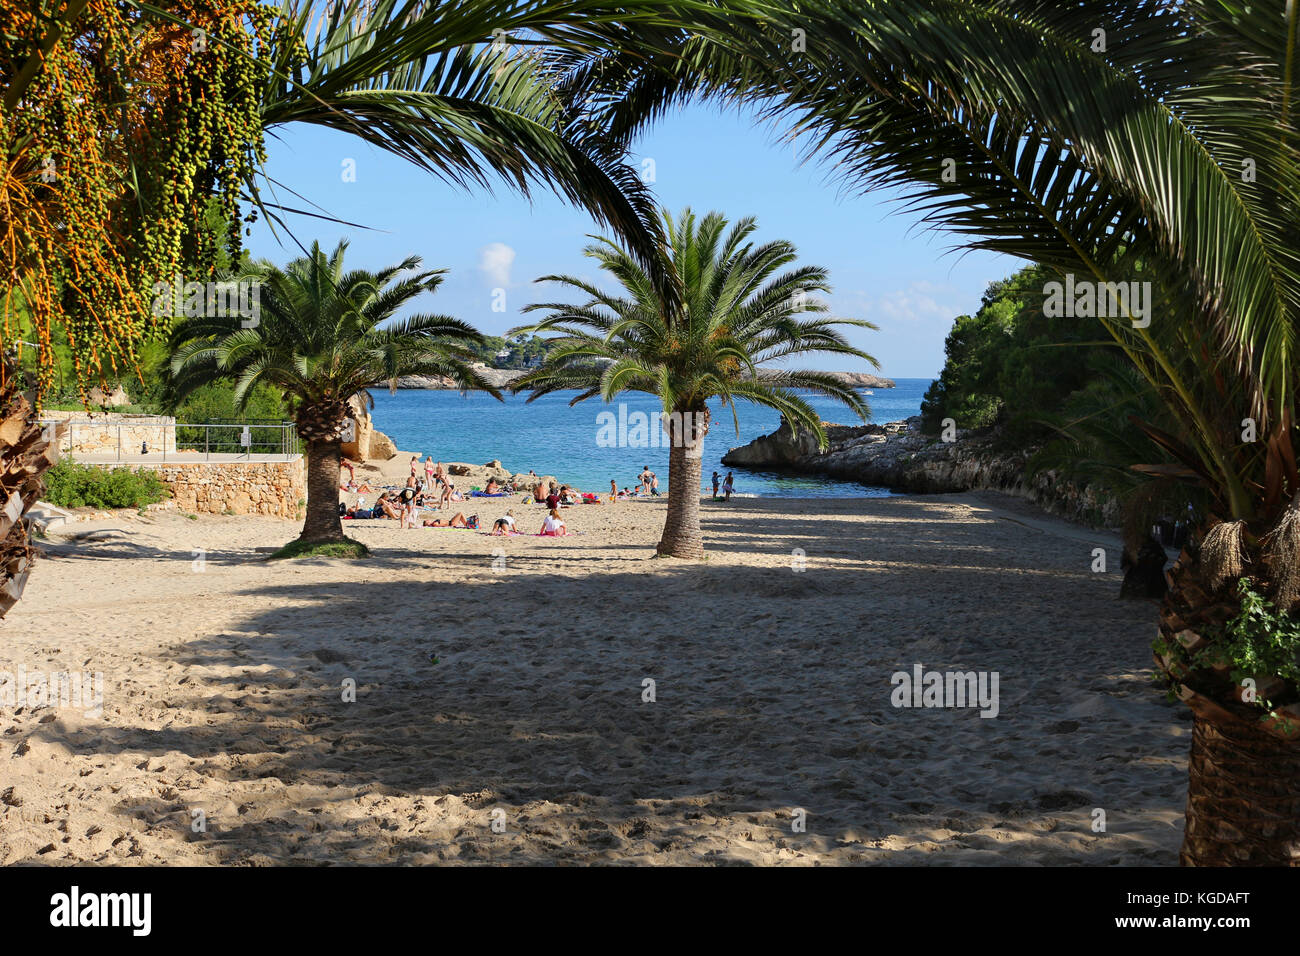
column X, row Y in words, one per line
column 415, row 465
column 407, row 499
column 428, row 473
column 613, row 490
column 728, row 486
column 715, row 485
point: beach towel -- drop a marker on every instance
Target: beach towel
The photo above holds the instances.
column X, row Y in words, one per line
column 484, row 494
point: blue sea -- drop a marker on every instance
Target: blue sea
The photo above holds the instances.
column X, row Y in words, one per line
column 553, row 438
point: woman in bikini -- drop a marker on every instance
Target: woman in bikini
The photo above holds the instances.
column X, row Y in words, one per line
column 458, row 520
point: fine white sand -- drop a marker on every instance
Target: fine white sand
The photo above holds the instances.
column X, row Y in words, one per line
column 223, row 694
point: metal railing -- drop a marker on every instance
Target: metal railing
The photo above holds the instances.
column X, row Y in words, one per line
column 167, row 441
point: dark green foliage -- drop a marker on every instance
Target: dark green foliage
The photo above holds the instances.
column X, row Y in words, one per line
column 70, row 485
column 1010, row 364
column 1261, row 640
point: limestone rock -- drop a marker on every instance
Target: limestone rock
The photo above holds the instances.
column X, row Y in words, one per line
column 358, row 449
column 901, row 457
column 381, row 447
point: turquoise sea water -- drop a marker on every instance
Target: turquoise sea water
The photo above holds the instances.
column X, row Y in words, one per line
column 552, row 438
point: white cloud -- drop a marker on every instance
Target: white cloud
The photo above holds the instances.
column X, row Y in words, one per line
column 913, row 303
column 495, row 260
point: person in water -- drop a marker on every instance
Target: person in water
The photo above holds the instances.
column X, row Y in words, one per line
column 553, row 524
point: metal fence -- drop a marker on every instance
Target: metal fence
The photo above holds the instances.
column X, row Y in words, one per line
column 143, row 440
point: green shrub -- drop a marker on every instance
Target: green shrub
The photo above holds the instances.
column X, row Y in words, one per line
column 1262, row 639
column 70, row 485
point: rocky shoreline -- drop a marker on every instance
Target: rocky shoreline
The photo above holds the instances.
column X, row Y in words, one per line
column 502, row 377
column 899, row 456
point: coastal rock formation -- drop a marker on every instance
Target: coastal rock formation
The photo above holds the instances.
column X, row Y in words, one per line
column 502, row 377
column 899, row 456
column 359, row 448
column 381, row 447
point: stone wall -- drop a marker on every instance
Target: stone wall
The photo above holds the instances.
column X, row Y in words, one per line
column 243, row 488
column 100, row 436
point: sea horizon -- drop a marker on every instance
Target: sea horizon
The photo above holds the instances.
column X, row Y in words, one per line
column 552, row 437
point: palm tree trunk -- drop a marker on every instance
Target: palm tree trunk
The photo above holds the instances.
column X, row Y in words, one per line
column 1243, row 795
column 322, row 522
column 25, row 455
column 1243, row 787
column 682, row 537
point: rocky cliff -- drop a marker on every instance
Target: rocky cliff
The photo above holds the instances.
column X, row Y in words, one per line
column 900, row 457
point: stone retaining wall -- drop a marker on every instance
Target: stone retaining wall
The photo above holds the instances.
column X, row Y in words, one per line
column 243, row 488
column 101, row 435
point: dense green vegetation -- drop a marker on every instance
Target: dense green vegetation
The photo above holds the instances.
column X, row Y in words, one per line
column 1010, row 365
column 70, row 485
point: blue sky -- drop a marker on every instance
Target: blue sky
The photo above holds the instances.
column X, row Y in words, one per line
column 883, row 266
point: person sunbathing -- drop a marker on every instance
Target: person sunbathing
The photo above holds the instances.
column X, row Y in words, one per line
column 553, row 524
column 458, row 520
column 388, row 508
column 505, row 524
column 492, row 487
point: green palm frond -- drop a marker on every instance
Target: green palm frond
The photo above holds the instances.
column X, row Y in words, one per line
column 324, row 336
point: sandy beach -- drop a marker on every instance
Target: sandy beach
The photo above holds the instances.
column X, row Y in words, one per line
column 224, row 677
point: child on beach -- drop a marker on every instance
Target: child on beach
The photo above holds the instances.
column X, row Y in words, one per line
column 728, row 486
column 505, row 524
column 715, row 485
column 553, row 524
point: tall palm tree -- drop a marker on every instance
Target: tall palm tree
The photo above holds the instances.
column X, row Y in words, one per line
column 319, row 338
column 737, row 313
column 466, row 89
column 1118, row 141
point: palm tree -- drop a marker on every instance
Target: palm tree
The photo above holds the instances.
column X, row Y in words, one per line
column 318, row 339
column 466, row 89
column 1116, row 142
column 737, row 314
